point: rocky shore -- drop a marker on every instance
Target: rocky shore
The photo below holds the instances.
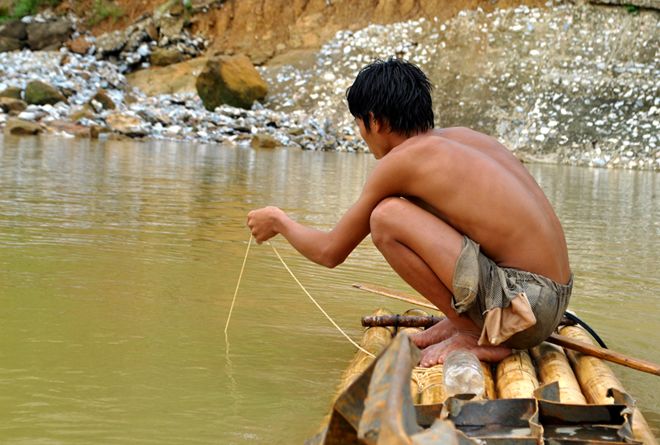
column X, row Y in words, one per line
column 538, row 81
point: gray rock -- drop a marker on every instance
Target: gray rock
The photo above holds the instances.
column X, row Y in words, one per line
column 104, row 100
column 111, row 43
column 14, row 29
column 13, row 92
column 41, row 93
column 28, row 116
column 126, row 124
column 9, row 44
column 171, row 27
column 11, row 105
column 166, row 56
column 49, row 34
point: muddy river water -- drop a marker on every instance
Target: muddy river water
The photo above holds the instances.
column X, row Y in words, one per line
column 118, row 262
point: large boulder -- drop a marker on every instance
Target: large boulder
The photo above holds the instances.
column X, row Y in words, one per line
column 49, row 34
column 172, row 79
column 231, row 80
column 40, row 93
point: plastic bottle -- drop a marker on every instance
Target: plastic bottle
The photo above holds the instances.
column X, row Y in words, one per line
column 462, row 374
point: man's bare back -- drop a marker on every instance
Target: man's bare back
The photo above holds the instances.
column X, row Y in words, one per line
column 454, row 213
column 477, row 186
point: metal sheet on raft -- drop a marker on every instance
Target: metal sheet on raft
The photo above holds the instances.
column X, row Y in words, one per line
column 377, row 408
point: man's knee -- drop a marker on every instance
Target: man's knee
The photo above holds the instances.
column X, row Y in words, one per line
column 382, row 219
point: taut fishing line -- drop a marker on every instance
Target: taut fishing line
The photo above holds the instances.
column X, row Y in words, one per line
column 238, row 284
column 318, row 305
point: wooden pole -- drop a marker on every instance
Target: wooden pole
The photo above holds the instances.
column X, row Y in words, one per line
column 404, row 321
column 605, row 354
column 559, row 340
column 374, row 289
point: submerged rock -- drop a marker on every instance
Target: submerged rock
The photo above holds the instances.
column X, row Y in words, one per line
column 19, row 127
column 230, row 80
column 264, row 140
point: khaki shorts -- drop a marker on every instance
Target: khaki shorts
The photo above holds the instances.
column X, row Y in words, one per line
column 512, row 307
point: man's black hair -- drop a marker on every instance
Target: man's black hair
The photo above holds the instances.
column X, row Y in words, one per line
column 396, row 92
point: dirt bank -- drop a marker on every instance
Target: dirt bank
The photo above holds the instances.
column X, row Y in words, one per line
column 265, row 28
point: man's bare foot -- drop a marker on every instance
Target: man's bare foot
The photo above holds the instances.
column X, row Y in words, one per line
column 435, row 334
column 436, row 354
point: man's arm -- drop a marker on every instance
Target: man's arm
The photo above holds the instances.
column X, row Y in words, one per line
column 331, row 248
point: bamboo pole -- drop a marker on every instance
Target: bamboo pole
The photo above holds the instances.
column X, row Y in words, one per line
column 553, row 366
column 429, row 385
column 374, row 340
column 596, row 378
column 489, row 382
column 394, row 294
column 516, row 377
column 414, row 384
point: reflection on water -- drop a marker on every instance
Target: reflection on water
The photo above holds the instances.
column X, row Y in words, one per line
column 118, row 263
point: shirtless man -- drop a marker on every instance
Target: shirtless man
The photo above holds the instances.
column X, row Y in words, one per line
column 454, row 213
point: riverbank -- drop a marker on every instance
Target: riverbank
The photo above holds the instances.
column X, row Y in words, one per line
column 537, row 80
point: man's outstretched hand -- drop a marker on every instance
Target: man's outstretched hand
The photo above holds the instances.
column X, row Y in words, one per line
column 265, row 223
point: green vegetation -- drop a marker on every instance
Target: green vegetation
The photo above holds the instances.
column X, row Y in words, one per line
column 632, row 9
column 21, row 8
column 103, row 10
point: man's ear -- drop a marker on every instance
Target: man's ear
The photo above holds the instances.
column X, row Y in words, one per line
column 376, row 124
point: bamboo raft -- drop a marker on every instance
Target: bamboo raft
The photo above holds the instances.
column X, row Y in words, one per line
column 543, row 395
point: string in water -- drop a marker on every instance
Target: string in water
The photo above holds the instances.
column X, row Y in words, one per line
column 238, row 284
column 318, row 305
